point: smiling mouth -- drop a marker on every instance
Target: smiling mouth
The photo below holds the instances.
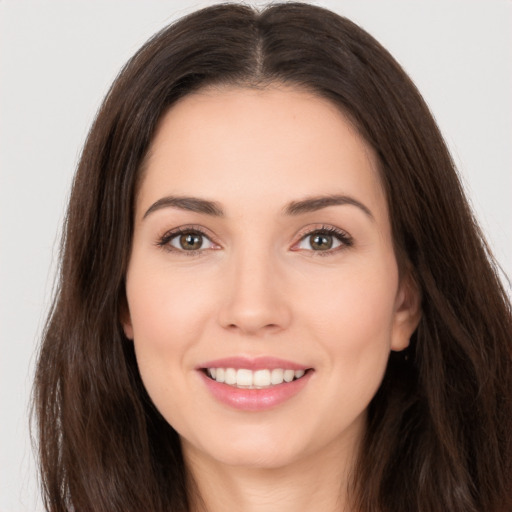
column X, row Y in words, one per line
column 257, row 379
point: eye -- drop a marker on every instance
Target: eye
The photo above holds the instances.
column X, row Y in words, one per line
column 324, row 240
column 186, row 240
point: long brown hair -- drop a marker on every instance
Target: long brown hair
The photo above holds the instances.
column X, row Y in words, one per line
column 438, row 434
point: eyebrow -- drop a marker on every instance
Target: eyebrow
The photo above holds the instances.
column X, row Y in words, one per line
column 313, row 204
column 204, row 206
column 191, row 204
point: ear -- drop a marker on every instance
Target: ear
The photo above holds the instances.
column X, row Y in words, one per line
column 126, row 319
column 407, row 312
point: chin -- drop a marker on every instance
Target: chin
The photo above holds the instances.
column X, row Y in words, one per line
column 256, row 451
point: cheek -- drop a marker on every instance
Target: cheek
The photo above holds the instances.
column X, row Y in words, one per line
column 166, row 318
column 353, row 303
column 353, row 322
column 165, row 309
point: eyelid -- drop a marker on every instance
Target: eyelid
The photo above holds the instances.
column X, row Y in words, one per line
column 343, row 237
column 163, row 241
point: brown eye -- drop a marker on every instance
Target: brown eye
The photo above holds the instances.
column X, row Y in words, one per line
column 190, row 241
column 321, row 242
column 324, row 240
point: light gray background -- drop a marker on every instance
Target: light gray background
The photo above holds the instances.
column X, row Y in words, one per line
column 57, row 61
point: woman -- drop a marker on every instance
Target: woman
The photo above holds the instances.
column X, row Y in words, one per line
column 273, row 293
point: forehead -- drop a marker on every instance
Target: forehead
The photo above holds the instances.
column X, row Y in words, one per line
column 275, row 144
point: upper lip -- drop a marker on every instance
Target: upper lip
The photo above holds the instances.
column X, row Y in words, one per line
column 256, row 363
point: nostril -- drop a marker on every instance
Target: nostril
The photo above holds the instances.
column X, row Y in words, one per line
column 250, row 327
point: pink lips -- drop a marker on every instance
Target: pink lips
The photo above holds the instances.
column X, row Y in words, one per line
column 257, row 363
column 254, row 399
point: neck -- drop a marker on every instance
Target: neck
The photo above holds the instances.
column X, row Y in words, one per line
column 317, row 482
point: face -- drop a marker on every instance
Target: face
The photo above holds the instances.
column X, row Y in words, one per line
column 263, row 290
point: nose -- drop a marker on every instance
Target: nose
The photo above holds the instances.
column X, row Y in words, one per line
column 255, row 300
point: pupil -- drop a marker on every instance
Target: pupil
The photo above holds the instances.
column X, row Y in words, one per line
column 322, row 242
column 191, row 241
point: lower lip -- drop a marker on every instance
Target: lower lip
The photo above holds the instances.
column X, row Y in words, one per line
column 255, row 399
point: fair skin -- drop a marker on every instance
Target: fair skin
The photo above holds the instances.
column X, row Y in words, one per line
column 261, row 271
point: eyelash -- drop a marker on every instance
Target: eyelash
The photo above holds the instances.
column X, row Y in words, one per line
column 165, row 240
column 343, row 237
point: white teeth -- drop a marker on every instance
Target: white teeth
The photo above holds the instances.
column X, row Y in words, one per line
column 277, row 376
column 244, row 378
column 261, row 378
column 257, row 379
column 288, row 375
column 230, row 376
